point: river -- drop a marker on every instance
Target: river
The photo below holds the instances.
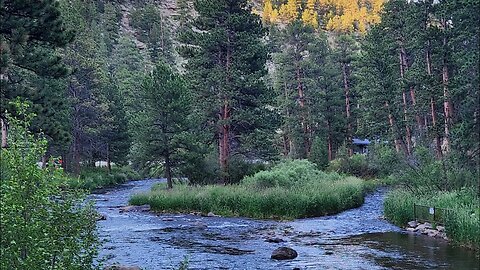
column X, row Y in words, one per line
column 355, row 239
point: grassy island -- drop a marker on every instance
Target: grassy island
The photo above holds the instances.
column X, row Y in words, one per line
column 293, row 189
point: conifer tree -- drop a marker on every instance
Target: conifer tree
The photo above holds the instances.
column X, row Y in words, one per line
column 226, row 64
column 164, row 132
column 30, row 33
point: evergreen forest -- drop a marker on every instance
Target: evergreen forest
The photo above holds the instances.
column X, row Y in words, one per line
column 265, row 109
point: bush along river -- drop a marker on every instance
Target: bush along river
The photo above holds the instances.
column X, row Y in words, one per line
column 355, row 239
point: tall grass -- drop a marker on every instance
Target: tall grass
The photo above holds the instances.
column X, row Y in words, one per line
column 462, row 224
column 95, row 178
column 290, row 190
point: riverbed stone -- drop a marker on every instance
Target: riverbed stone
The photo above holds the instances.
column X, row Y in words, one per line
column 274, row 240
column 135, row 208
column 413, row 224
column 440, row 228
column 284, row 253
column 427, row 225
column 211, row 214
column 426, row 231
column 411, row 229
column 420, row 228
column 199, row 225
column 432, row 233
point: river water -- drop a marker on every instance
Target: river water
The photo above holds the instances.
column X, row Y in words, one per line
column 355, row 239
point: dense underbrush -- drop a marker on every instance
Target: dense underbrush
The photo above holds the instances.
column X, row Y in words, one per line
column 462, row 223
column 292, row 189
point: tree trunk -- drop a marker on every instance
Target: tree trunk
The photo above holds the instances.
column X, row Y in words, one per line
column 109, row 164
column 44, row 161
column 168, row 172
column 224, row 117
column 301, row 101
column 287, row 133
column 76, row 157
column 286, row 145
column 329, row 141
column 398, row 146
column 403, row 69
column 447, row 105
column 3, row 123
column 224, row 143
column 438, row 148
column 408, row 135
column 414, row 105
column 347, row 108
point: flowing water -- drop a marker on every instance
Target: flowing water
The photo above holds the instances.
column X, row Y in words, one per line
column 355, row 239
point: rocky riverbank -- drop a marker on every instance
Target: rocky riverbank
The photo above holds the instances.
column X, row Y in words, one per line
column 427, row 229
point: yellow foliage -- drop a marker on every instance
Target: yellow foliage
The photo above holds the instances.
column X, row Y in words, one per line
column 289, row 12
column 338, row 15
column 267, row 11
column 309, row 15
column 274, row 16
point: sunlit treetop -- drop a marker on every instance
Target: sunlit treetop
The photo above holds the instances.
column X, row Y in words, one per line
column 334, row 15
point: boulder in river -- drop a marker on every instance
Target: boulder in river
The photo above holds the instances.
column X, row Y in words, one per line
column 274, row 240
column 135, row 208
column 284, row 253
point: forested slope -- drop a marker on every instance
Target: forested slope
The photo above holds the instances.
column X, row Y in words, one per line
column 326, row 72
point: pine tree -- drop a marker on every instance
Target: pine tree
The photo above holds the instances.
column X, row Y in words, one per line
column 30, row 34
column 164, row 132
column 226, row 63
column 345, row 53
column 300, row 65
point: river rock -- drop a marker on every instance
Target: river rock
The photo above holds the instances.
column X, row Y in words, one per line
column 199, row 225
column 274, row 240
column 328, row 252
column 412, row 224
column 426, row 231
column 101, row 217
column 284, row 253
column 432, row 233
column 440, row 228
column 211, row 214
column 411, row 229
column 427, row 225
column 135, row 208
column 122, row 267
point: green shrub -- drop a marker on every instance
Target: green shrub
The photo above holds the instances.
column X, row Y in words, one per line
column 292, row 189
column 356, row 165
column 44, row 225
column 384, row 160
